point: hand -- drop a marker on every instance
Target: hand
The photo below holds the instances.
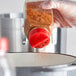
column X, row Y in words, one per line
column 64, row 12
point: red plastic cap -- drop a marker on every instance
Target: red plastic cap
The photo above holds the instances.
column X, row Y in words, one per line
column 39, row 38
column 4, row 44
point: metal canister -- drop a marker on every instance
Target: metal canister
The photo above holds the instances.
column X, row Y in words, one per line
column 11, row 26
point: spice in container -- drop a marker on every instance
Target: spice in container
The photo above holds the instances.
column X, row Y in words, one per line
column 38, row 24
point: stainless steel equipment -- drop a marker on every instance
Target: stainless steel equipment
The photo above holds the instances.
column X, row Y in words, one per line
column 11, row 26
column 42, row 64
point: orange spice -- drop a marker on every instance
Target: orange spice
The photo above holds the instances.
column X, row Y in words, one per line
column 38, row 17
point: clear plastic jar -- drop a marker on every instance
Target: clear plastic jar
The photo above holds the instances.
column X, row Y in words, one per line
column 38, row 23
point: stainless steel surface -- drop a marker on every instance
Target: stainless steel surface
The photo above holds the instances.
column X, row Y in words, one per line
column 12, row 28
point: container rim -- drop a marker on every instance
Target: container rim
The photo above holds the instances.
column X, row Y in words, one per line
column 20, row 62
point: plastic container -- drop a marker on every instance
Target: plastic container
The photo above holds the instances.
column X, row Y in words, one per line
column 38, row 23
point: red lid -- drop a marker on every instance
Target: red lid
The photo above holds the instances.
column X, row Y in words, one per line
column 39, row 38
column 4, row 44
